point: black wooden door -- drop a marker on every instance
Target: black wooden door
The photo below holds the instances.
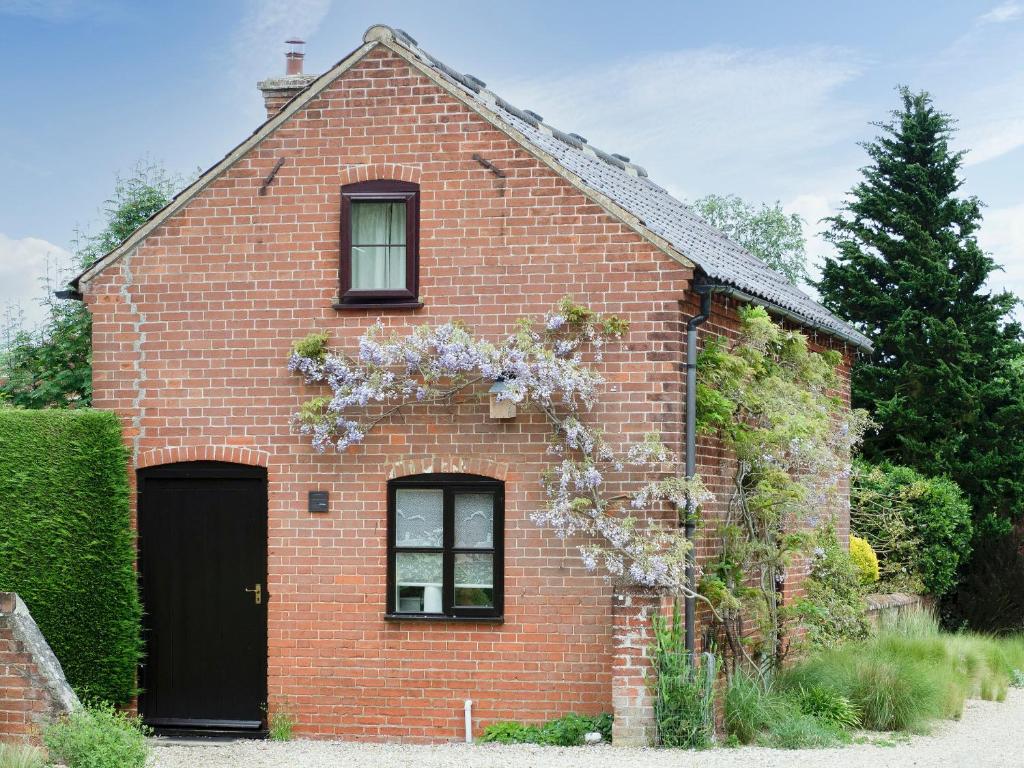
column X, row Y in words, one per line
column 203, row 568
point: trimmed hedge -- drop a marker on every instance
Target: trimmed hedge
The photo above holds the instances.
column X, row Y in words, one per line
column 66, row 542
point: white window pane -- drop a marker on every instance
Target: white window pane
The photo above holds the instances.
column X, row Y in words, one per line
column 376, row 268
column 418, row 577
column 419, row 517
column 474, row 580
column 378, row 223
column 474, row 521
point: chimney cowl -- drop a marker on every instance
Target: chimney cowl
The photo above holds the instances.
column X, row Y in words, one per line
column 278, row 91
column 293, row 56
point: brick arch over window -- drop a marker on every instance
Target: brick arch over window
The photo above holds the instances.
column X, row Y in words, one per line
column 227, row 453
column 427, row 465
column 353, row 174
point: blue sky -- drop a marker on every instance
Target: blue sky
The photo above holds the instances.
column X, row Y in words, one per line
column 767, row 101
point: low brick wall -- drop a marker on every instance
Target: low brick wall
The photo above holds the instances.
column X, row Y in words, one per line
column 885, row 608
column 33, row 690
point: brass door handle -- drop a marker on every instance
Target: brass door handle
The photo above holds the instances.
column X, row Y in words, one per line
column 257, row 593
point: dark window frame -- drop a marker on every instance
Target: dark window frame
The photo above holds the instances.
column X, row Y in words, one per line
column 451, row 484
column 381, row 190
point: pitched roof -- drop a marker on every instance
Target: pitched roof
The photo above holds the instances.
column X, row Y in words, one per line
column 620, row 186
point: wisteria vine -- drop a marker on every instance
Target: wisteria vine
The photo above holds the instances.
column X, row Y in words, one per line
column 609, row 499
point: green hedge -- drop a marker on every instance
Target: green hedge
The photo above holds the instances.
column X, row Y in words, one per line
column 66, row 544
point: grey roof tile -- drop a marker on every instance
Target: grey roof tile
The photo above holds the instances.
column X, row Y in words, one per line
column 626, row 184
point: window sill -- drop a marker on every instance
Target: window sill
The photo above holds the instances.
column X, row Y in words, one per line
column 435, row 617
column 378, row 305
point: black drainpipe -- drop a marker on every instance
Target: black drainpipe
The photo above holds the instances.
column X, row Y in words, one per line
column 704, row 290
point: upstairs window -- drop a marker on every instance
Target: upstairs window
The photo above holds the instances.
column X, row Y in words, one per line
column 379, row 244
column 445, row 555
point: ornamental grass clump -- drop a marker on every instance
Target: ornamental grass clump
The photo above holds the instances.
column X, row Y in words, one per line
column 911, row 673
column 684, row 688
column 759, row 712
column 20, row 756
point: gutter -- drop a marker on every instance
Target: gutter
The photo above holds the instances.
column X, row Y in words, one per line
column 788, row 314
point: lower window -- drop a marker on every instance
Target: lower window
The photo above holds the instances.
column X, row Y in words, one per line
column 445, row 547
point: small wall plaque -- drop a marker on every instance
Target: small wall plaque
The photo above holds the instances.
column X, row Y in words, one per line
column 318, row 501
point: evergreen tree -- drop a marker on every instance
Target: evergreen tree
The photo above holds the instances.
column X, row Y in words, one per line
column 945, row 378
column 51, row 366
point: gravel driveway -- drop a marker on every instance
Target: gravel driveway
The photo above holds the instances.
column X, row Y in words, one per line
column 989, row 735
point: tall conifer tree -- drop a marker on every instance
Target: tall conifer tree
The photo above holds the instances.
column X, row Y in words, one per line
column 945, row 379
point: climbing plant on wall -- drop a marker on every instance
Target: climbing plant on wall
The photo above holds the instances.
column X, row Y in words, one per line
column 766, row 393
column 774, row 403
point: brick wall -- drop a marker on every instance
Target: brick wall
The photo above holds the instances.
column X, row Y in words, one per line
column 192, row 330
column 33, row 691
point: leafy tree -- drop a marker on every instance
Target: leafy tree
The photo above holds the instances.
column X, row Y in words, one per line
column 945, row 378
column 51, row 367
column 767, row 232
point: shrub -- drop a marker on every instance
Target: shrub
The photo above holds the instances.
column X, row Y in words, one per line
column 20, row 756
column 98, row 736
column 566, row 731
column 66, row 544
column 919, row 526
column 833, row 609
column 684, row 704
column 864, row 560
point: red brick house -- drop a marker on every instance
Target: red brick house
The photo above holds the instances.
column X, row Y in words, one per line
column 391, row 186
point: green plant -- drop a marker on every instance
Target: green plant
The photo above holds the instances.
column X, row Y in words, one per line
column 52, row 367
column 98, row 736
column 833, row 609
column 750, row 707
column 828, row 706
column 281, row 723
column 511, row 732
column 757, row 711
column 796, row 730
column 684, row 704
column 945, row 379
column 20, row 756
column 66, row 542
column 864, row 560
column 1017, row 678
column 565, row 731
column 911, row 673
column 919, row 526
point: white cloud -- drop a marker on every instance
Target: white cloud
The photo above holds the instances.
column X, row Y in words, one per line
column 991, row 119
column 708, row 119
column 259, row 40
column 1002, row 13
column 24, row 265
column 1002, row 235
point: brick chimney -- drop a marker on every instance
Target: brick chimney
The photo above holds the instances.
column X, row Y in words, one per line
column 278, row 91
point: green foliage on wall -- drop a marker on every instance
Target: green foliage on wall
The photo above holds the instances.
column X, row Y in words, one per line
column 66, row 544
